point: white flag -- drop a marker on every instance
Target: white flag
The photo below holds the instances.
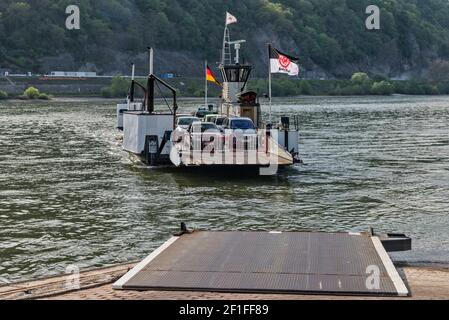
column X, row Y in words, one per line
column 230, row 18
column 283, row 63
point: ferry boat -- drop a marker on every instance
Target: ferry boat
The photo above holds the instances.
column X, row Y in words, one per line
column 243, row 140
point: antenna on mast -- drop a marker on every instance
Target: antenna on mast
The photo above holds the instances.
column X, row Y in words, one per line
column 237, row 46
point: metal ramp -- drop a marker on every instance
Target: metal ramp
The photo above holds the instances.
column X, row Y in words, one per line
column 269, row 262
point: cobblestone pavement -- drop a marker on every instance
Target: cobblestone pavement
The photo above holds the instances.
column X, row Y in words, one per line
column 424, row 283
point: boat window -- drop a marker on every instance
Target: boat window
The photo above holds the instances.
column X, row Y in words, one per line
column 236, row 73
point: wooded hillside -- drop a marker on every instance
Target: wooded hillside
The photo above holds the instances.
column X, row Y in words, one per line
column 329, row 36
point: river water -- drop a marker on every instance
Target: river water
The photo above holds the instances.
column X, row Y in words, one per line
column 70, row 196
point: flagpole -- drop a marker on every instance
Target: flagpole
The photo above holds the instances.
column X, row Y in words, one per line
column 269, row 81
column 205, row 84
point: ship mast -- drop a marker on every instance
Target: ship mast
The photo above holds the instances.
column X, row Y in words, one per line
column 226, row 55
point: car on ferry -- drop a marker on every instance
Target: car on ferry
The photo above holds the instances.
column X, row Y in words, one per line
column 210, row 118
column 182, row 126
column 203, row 127
column 205, row 132
column 239, row 123
column 219, row 121
column 205, row 110
column 243, row 129
column 215, row 118
column 184, row 122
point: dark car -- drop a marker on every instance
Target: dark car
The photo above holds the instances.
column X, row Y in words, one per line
column 205, row 110
column 241, row 128
column 199, row 126
column 219, row 121
column 244, row 124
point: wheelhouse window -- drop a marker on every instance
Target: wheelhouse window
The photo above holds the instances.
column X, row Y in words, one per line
column 236, row 73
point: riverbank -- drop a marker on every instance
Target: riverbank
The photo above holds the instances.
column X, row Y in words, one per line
column 194, row 87
column 424, row 282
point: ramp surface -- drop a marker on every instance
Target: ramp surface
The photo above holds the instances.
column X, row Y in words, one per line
column 263, row 262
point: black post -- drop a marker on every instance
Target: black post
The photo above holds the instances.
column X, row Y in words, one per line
column 150, row 98
column 175, row 109
column 131, row 89
column 131, row 92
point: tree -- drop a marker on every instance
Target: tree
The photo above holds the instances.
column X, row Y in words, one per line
column 360, row 78
column 119, row 86
column 382, row 88
column 328, row 34
column 31, row 93
column 305, row 87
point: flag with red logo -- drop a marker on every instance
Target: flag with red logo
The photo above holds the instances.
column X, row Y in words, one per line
column 283, row 63
column 230, row 18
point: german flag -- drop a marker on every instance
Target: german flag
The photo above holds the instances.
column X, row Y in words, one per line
column 210, row 76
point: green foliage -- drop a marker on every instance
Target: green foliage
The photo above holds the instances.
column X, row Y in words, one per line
column 119, row 88
column 3, row 95
column 415, row 88
column 382, row 88
column 443, row 88
column 378, row 78
column 401, row 87
column 360, row 78
column 288, row 86
column 324, row 32
column 305, row 87
column 284, row 87
column 43, row 96
column 31, row 93
column 106, row 92
column 430, row 89
column 354, row 90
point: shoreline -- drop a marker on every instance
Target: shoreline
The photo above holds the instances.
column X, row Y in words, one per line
column 424, row 282
column 194, row 86
column 70, row 98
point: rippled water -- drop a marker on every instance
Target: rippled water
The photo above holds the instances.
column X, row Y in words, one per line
column 70, row 195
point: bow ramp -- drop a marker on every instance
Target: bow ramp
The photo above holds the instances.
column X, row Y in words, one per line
column 270, row 154
column 269, row 262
